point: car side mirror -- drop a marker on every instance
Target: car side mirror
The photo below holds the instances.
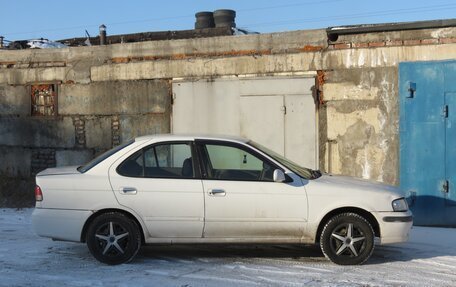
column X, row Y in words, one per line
column 279, row 176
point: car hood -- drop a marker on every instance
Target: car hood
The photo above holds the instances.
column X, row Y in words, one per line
column 351, row 183
column 59, row 171
column 335, row 191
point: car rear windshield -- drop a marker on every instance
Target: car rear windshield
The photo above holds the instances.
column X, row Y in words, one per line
column 103, row 156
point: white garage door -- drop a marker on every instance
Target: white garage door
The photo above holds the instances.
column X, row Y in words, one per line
column 276, row 112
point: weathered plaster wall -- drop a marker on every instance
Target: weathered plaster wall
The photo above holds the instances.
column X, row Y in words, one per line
column 91, row 119
column 361, row 114
column 110, row 93
column 101, row 108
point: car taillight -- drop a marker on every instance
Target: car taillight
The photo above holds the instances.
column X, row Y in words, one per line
column 38, row 194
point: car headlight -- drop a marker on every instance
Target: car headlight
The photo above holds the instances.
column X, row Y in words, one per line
column 400, row 204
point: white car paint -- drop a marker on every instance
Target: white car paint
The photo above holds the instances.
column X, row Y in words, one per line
column 183, row 211
column 255, row 211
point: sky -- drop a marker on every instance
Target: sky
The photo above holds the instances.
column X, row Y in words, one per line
column 59, row 19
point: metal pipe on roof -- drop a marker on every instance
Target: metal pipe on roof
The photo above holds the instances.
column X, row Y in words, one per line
column 102, row 34
column 334, row 32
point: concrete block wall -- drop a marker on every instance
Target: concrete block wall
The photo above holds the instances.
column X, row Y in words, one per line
column 91, row 116
column 107, row 94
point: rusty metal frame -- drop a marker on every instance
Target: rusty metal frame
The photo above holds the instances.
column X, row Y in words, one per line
column 44, row 102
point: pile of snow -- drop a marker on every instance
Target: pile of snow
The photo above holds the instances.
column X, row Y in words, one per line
column 428, row 259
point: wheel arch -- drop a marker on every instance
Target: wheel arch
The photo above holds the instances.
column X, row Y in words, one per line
column 107, row 210
column 364, row 213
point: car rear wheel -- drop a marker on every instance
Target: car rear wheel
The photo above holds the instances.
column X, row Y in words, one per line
column 347, row 239
column 113, row 238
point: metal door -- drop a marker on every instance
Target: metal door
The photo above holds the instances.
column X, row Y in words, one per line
column 427, row 140
column 262, row 120
column 277, row 112
column 300, row 130
column 450, row 148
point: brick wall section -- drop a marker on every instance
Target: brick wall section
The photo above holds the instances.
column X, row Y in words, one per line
column 395, row 43
column 447, row 40
column 433, row 41
column 115, row 126
column 42, row 159
column 412, row 42
column 79, row 126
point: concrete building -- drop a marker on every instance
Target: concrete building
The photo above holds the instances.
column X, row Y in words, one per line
column 329, row 98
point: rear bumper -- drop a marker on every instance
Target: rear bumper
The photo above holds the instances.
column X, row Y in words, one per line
column 394, row 226
column 61, row 224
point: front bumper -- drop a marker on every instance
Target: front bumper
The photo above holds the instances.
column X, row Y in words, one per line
column 60, row 224
column 394, row 226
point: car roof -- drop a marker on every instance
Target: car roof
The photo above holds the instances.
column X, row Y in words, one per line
column 190, row 137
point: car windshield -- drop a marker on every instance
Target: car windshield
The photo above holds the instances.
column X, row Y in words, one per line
column 103, row 156
column 304, row 172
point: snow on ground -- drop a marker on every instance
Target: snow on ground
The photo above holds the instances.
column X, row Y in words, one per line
column 428, row 259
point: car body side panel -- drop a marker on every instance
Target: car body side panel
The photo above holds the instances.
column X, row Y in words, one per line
column 255, row 209
column 69, row 200
column 169, row 207
column 393, row 232
column 330, row 193
column 76, row 191
column 61, row 224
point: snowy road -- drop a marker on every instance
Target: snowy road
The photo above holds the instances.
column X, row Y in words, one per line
column 429, row 259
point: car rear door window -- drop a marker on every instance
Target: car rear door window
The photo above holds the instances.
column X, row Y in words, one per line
column 173, row 160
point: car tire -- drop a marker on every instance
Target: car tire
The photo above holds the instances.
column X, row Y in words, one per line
column 347, row 239
column 113, row 238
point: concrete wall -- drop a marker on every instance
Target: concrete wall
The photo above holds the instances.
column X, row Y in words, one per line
column 107, row 94
column 359, row 117
column 92, row 117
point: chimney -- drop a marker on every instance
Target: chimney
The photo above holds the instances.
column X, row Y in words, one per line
column 225, row 18
column 102, row 34
column 204, row 20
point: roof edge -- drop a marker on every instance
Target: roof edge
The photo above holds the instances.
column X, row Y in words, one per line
column 333, row 32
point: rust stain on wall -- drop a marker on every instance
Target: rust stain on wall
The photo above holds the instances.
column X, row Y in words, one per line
column 321, row 77
column 311, row 48
column 232, row 53
column 119, row 60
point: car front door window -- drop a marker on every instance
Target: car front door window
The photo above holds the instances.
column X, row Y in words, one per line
column 225, row 162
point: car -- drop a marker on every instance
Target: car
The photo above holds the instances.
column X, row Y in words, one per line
column 213, row 189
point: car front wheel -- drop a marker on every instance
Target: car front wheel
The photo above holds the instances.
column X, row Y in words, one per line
column 347, row 239
column 113, row 238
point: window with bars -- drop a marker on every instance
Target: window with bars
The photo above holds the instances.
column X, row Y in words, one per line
column 44, row 100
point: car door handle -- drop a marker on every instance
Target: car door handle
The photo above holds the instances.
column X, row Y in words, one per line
column 217, row 192
column 129, row 190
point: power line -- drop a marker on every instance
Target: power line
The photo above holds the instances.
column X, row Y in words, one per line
column 410, row 10
column 358, row 15
column 97, row 25
column 296, row 4
column 289, row 5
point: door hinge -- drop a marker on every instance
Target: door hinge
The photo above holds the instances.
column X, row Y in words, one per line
column 284, row 109
column 446, row 186
column 411, row 90
column 445, row 111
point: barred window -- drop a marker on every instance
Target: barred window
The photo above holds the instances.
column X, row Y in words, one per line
column 44, row 100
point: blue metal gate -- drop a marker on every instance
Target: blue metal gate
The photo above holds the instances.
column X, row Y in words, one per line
column 427, row 92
